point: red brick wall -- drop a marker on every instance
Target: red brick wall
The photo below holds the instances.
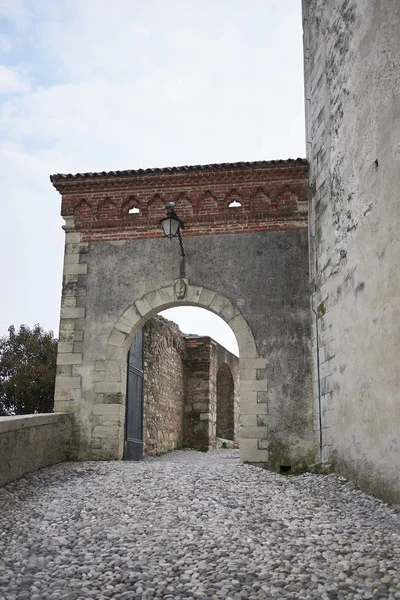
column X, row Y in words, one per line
column 198, row 417
column 204, row 401
column 224, row 369
column 273, row 196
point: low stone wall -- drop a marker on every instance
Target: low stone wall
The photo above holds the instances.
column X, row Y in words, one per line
column 30, row 442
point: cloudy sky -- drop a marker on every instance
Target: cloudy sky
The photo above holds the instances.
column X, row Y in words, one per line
column 90, row 85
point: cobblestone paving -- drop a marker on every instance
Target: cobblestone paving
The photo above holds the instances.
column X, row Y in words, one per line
column 193, row 525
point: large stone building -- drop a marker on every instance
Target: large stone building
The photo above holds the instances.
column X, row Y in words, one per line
column 352, row 89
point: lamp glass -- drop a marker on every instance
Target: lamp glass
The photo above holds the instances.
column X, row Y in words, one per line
column 170, row 226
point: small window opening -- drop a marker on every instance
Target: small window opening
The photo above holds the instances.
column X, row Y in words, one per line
column 285, row 468
column 234, row 204
column 134, row 210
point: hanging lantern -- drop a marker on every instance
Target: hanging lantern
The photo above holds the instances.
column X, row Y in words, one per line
column 171, row 225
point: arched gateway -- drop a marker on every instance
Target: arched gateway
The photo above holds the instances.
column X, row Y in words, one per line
column 246, row 260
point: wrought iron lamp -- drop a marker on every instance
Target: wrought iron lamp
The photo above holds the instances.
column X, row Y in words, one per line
column 172, row 225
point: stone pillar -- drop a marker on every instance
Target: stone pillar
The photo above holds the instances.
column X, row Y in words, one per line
column 68, row 392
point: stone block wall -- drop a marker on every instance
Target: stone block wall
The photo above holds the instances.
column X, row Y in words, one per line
column 198, row 417
column 163, row 408
column 225, row 400
column 352, row 65
column 225, row 396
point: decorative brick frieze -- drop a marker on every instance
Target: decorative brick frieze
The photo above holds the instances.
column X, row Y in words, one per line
column 271, row 196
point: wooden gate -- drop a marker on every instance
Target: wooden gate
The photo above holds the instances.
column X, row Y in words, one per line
column 133, row 449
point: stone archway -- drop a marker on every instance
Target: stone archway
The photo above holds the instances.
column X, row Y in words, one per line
column 130, row 322
column 248, row 264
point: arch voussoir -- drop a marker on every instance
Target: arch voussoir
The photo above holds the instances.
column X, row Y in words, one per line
column 193, row 294
column 143, row 306
column 117, row 338
column 218, row 304
column 206, row 297
column 128, row 320
column 160, row 297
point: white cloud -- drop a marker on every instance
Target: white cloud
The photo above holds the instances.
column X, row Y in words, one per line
column 149, row 84
column 11, row 82
column 5, row 44
column 31, row 241
column 16, row 11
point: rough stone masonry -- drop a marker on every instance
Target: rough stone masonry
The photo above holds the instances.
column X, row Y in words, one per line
column 191, row 390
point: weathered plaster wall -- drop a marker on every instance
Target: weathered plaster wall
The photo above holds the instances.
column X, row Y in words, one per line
column 30, row 442
column 164, row 382
column 352, row 88
column 273, row 297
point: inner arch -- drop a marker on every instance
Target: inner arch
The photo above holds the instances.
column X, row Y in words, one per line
column 175, row 396
column 155, row 301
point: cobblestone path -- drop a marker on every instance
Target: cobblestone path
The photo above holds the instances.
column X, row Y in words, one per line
column 193, row 525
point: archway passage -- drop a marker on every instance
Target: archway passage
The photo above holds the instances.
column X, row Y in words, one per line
column 248, row 264
column 175, row 388
column 225, row 404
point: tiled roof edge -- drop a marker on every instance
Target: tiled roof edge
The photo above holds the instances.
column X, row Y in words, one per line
column 183, row 169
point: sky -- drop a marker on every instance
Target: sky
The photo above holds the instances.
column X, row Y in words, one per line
column 89, row 85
